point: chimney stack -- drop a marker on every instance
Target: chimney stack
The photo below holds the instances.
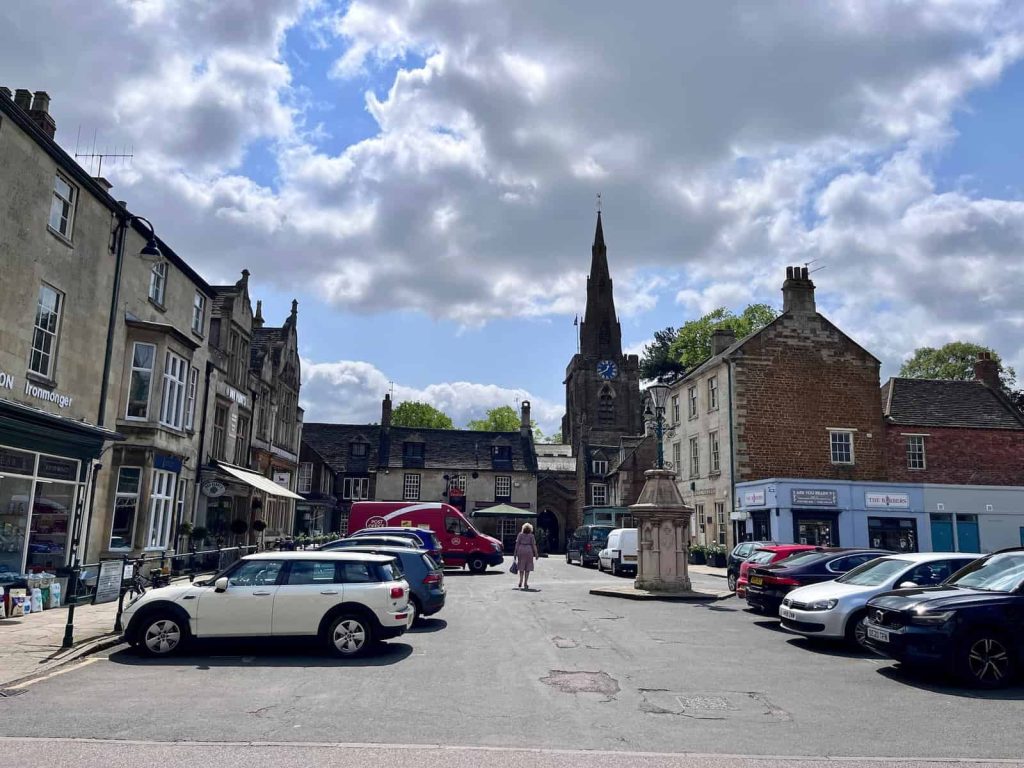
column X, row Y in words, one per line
column 5, row 92
column 23, row 98
column 385, row 413
column 721, row 340
column 40, row 113
column 986, row 370
column 525, row 423
column 798, row 292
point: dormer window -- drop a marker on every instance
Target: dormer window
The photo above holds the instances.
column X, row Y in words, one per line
column 501, row 453
column 412, row 454
column 361, row 450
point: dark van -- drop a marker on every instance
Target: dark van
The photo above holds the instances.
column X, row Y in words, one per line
column 585, row 542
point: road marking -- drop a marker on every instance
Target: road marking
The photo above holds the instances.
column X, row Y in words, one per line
column 510, row 750
column 61, row 671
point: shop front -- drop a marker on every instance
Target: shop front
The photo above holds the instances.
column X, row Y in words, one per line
column 230, row 495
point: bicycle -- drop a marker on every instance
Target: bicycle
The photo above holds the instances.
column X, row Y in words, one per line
column 138, row 584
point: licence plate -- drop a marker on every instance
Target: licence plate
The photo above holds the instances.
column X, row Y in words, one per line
column 629, row 557
column 757, row 581
column 881, row 635
column 787, row 613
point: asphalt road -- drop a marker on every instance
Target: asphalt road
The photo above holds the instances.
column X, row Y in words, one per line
column 501, row 671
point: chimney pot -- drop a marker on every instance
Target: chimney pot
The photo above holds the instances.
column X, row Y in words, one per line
column 721, row 340
column 798, row 292
column 23, row 98
column 385, row 413
column 41, row 102
column 986, row 370
column 5, row 91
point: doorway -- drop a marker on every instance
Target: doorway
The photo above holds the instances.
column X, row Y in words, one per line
column 548, row 530
column 819, row 529
column 762, row 525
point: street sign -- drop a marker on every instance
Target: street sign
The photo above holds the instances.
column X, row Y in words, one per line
column 108, row 583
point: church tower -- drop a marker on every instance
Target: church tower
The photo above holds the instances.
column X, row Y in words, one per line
column 602, row 386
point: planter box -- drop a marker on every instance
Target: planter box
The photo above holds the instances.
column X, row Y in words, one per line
column 718, row 560
column 697, row 558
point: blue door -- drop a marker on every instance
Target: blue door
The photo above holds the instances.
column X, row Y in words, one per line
column 942, row 535
column 967, row 533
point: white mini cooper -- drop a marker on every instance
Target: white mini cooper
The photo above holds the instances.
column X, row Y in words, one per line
column 349, row 600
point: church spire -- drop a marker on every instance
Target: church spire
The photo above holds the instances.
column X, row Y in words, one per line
column 600, row 335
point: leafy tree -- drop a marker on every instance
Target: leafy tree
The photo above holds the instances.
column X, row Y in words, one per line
column 556, row 437
column 692, row 344
column 954, row 361
column 420, row 415
column 656, row 360
column 503, row 419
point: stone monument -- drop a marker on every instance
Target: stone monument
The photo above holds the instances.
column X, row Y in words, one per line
column 663, row 523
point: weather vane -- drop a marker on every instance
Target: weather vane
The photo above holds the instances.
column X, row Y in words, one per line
column 598, row 202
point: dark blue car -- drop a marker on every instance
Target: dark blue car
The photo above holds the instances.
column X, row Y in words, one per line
column 972, row 624
column 427, row 538
column 425, row 577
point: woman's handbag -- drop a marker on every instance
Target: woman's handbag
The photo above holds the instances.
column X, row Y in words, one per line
column 514, row 568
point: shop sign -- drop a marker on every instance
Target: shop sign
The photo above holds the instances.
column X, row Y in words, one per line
column 753, row 498
column 61, row 401
column 814, row 497
column 108, row 583
column 233, row 425
column 233, row 394
column 283, row 479
column 887, row 500
column 58, row 469
column 213, row 489
column 17, row 461
column 168, row 463
column 6, row 380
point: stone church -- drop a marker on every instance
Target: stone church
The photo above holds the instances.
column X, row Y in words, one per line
column 602, row 406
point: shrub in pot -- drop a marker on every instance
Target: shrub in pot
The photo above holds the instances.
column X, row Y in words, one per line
column 698, row 555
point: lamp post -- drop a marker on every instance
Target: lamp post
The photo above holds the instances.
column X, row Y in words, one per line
column 657, row 395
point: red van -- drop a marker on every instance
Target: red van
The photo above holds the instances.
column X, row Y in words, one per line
column 461, row 543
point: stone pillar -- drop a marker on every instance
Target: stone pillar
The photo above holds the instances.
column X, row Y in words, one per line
column 663, row 533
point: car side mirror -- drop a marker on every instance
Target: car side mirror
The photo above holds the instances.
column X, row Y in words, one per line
column 221, row 584
column 907, row 585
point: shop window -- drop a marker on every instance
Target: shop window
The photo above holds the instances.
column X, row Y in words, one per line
column 896, row 534
column 841, row 443
column 51, row 513
column 915, row 452
column 161, row 501
column 126, row 508
column 172, row 408
column 43, row 357
column 411, row 487
column 305, row 477
column 15, row 495
column 158, row 282
column 502, row 488
column 143, row 357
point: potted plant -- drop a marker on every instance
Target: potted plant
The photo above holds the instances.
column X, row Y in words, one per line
column 698, row 554
column 716, row 556
column 199, row 536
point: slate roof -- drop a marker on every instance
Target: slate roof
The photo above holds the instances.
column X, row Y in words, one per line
column 332, row 441
column 265, row 340
column 946, row 403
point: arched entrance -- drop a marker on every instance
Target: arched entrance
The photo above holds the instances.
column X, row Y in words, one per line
column 548, row 530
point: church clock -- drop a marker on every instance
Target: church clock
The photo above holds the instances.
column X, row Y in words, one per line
column 607, row 369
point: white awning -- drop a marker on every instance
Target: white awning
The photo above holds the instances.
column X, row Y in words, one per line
column 259, row 482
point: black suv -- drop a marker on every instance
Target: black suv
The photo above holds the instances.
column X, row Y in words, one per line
column 740, row 552
column 769, row 583
column 972, row 624
column 585, row 542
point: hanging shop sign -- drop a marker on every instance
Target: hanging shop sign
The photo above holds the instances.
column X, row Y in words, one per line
column 887, row 500
column 753, row 498
column 213, row 489
column 814, row 497
column 284, row 479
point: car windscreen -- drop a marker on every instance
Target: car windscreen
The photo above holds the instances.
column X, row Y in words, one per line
column 600, row 535
column 998, row 573
column 761, row 556
column 874, row 573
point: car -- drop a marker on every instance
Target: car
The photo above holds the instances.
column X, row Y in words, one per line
column 768, row 584
column 739, row 553
column 836, row 609
column 972, row 624
column 425, row 577
column 426, row 538
column 585, row 543
column 619, row 554
column 365, row 541
column 461, row 543
column 768, row 553
column 346, row 600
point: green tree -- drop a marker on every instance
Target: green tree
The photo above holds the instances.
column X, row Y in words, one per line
column 503, row 419
column 954, row 361
column 692, row 344
column 656, row 360
column 421, row 415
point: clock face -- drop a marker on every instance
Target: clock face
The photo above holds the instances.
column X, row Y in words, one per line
column 607, row 369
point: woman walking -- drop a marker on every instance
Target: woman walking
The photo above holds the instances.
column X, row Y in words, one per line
column 526, row 551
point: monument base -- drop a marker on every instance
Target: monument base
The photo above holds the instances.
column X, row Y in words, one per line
column 679, row 596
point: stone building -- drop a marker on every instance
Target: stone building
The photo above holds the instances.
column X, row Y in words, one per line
column 337, row 466
column 556, row 494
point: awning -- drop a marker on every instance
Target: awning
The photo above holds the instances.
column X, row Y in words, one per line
column 503, row 510
column 259, row 482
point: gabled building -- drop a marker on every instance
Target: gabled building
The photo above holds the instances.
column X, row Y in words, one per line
column 337, row 466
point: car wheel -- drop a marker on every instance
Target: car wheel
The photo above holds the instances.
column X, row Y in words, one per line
column 477, row 564
column 857, row 630
column 162, row 634
column 731, row 581
column 986, row 660
column 414, row 612
column 349, row 635
column 568, row 560
column 616, row 568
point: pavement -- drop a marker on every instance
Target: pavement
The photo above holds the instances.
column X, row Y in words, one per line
column 547, row 678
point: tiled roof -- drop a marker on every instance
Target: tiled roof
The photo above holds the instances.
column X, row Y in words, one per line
column 265, row 340
column 946, row 403
column 332, row 442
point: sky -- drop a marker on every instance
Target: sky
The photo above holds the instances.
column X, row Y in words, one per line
column 422, row 176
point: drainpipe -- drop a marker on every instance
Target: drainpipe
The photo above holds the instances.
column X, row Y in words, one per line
column 202, row 438
column 121, row 235
column 732, row 453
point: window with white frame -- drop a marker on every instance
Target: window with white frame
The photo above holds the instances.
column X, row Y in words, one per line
column 915, row 452
column 190, row 399
column 126, row 508
column 599, row 467
column 172, row 407
column 62, row 207
column 713, row 393
column 356, row 488
column 306, row 477
column 161, row 509
column 180, row 503
column 694, row 457
column 141, row 380
column 198, row 313
column 841, row 444
column 411, row 487
column 677, row 457
column 714, row 452
column 692, row 408
column 220, row 431
column 675, row 409
column 158, row 282
column 502, row 487
column 720, row 521
column 599, row 494
column 43, row 356
column 459, row 481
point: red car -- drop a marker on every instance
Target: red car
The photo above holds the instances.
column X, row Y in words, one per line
column 764, row 555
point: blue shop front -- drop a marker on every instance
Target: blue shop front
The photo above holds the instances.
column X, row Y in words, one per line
column 833, row 513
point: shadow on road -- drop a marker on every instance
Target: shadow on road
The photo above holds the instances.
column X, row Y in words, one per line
column 428, row 625
column 453, row 573
column 210, row 654
column 773, row 625
column 936, row 682
column 837, row 649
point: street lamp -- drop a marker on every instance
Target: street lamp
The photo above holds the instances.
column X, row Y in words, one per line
column 657, row 395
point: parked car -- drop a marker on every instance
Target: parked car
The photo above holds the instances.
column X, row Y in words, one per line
column 585, row 543
column 347, row 600
column 379, row 541
column 739, row 553
column 619, row 554
column 461, row 543
column 768, row 553
column 972, row 624
column 836, row 609
column 768, row 584
column 425, row 537
column 424, row 574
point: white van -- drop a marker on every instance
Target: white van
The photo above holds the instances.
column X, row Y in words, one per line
column 619, row 554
